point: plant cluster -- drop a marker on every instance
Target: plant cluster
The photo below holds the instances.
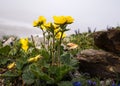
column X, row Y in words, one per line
column 24, row 65
column 83, row 40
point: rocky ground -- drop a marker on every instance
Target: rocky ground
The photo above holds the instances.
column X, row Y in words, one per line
column 105, row 62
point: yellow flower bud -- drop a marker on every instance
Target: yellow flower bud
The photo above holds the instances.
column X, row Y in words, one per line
column 34, row 59
column 37, row 57
column 58, row 36
column 12, row 65
column 31, row 60
column 57, row 30
column 24, row 42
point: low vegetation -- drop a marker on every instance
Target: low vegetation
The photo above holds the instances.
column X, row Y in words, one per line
column 22, row 64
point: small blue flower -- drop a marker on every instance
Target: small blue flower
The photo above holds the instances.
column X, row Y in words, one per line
column 113, row 84
column 94, row 83
column 77, row 84
column 89, row 82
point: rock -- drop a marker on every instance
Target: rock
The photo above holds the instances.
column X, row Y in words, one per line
column 2, row 82
column 99, row 63
column 108, row 40
column 102, row 83
column 37, row 41
column 9, row 41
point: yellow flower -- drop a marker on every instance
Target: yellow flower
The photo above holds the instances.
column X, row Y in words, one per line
column 34, row 59
column 47, row 25
column 58, row 36
column 25, row 47
column 59, row 20
column 24, row 42
column 35, row 23
column 12, row 65
column 69, row 19
column 57, row 30
column 42, row 27
column 41, row 19
column 55, row 25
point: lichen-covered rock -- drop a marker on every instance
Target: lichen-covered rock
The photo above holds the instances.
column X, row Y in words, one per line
column 108, row 40
column 99, row 63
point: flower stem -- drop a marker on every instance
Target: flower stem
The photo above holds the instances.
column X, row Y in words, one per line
column 53, row 50
column 43, row 37
column 59, row 49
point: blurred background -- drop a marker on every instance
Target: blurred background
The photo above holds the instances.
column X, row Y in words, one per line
column 16, row 16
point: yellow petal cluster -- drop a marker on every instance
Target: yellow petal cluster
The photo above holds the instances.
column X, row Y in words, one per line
column 42, row 19
column 24, row 42
column 25, row 47
column 59, row 20
column 63, row 20
column 69, row 19
column 47, row 25
column 55, row 25
column 51, row 25
column 12, row 65
column 35, row 23
column 34, row 59
column 42, row 27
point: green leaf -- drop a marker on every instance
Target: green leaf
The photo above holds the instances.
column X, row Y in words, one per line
column 28, row 77
column 65, row 83
column 40, row 75
column 3, row 61
column 35, row 70
column 47, row 78
column 62, row 71
column 66, row 58
column 5, row 50
column 13, row 52
column 45, row 54
column 10, row 74
column 20, row 63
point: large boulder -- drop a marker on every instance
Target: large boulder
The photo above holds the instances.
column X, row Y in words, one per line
column 108, row 40
column 99, row 63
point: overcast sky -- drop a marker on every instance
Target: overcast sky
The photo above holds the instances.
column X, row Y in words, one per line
column 87, row 13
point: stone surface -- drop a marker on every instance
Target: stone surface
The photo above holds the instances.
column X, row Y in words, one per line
column 99, row 63
column 37, row 41
column 108, row 40
column 9, row 41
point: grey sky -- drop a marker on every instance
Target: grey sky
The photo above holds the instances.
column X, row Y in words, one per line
column 87, row 13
